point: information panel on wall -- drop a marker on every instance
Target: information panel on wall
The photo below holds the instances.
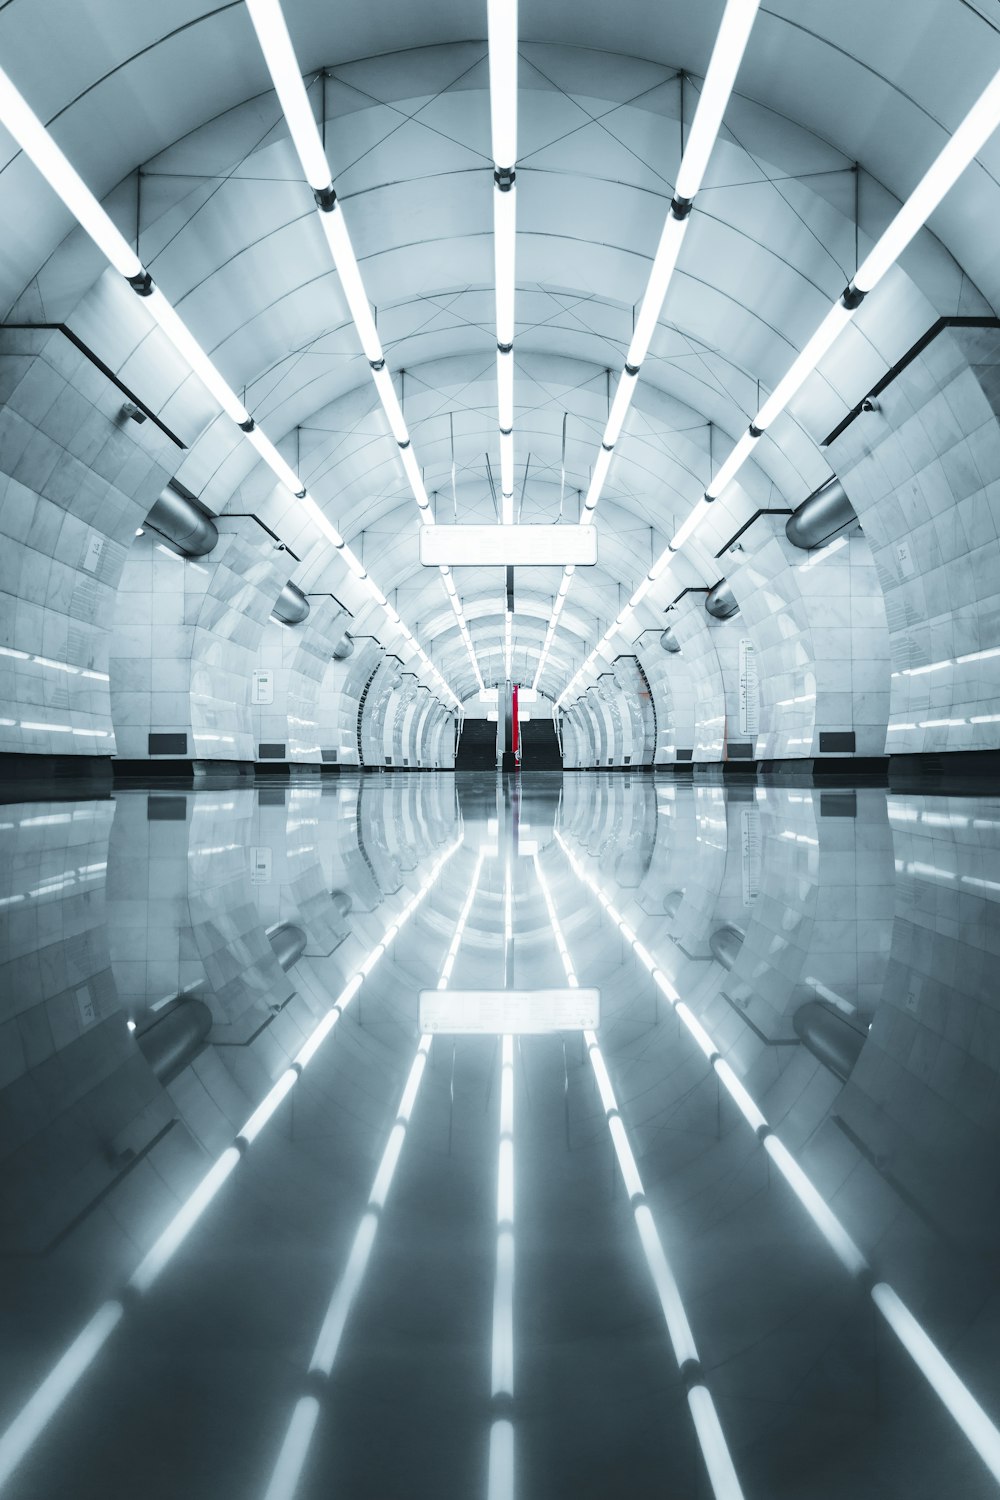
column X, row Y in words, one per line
column 262, row 690
column 749, row 689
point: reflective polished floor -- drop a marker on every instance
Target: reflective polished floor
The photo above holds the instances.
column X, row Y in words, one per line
column 446, row 1136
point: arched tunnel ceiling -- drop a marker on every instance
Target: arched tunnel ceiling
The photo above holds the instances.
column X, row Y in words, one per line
column 226, row 224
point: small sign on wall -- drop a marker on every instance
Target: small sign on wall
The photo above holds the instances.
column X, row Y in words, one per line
column 92, row 552
column 749, row 689
column 904, row 560
column 263, row 687
column 260, row 864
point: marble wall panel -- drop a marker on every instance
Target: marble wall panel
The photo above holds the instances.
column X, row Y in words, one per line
column 76, row 479
column 923, row 474
column 186, row 635
column 296, row 658
column 821, row 644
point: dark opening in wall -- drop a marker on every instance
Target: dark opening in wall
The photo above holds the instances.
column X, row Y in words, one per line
column 836, row 740
column 271, row 752
column 168, row 744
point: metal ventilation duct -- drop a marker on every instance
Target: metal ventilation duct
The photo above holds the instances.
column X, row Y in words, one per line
column 829, row 1036
column 726, row 943
column 820, row 517
column 292, row 606
column 343, row 649
column 721, row 602
column 288, row 944
column 669, row 641
column 176, row 1038
column 182, row 521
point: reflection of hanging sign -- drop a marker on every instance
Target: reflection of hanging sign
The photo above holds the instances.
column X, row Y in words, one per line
column 750, row 853
column 260, row 864
column 92, row 556
column 263, row 687
column 749, row 689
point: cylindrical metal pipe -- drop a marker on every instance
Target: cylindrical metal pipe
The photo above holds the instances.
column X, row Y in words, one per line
column 720, row 601
column 829, row 1036
column 181, row 520
column 821, row 516
column 343, row 649
column 288, row 943
column 175, row 1039
column 726, row 943
column 292, row 605
column 669, row 641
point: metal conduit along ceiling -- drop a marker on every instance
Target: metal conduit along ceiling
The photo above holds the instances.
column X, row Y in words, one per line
column 170, row 118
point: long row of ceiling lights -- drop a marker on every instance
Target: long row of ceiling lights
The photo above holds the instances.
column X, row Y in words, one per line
column 501, row 30
column 31, row 135
column 501, row 20
column 727, row 54
column 275, row 43
column 961, row 149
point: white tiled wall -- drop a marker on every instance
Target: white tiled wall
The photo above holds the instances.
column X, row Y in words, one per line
column 186, row 634
column 817, row 623
column 75, row 481
column 923, row 474
column 296, row 658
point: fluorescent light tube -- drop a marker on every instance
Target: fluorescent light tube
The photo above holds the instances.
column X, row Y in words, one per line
column 731, row 467
column 804, row 363
column 620, row 406
column 279, row 468
column 350, row 280
column 727, row 54
column 276, row 45
column 597, row 479
column 664, row 262
column 390, row 404
column 505, row 390
column 504, row 244
column 35, row 141
column 690, row 525
column 973, row 133
column 501, row 24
